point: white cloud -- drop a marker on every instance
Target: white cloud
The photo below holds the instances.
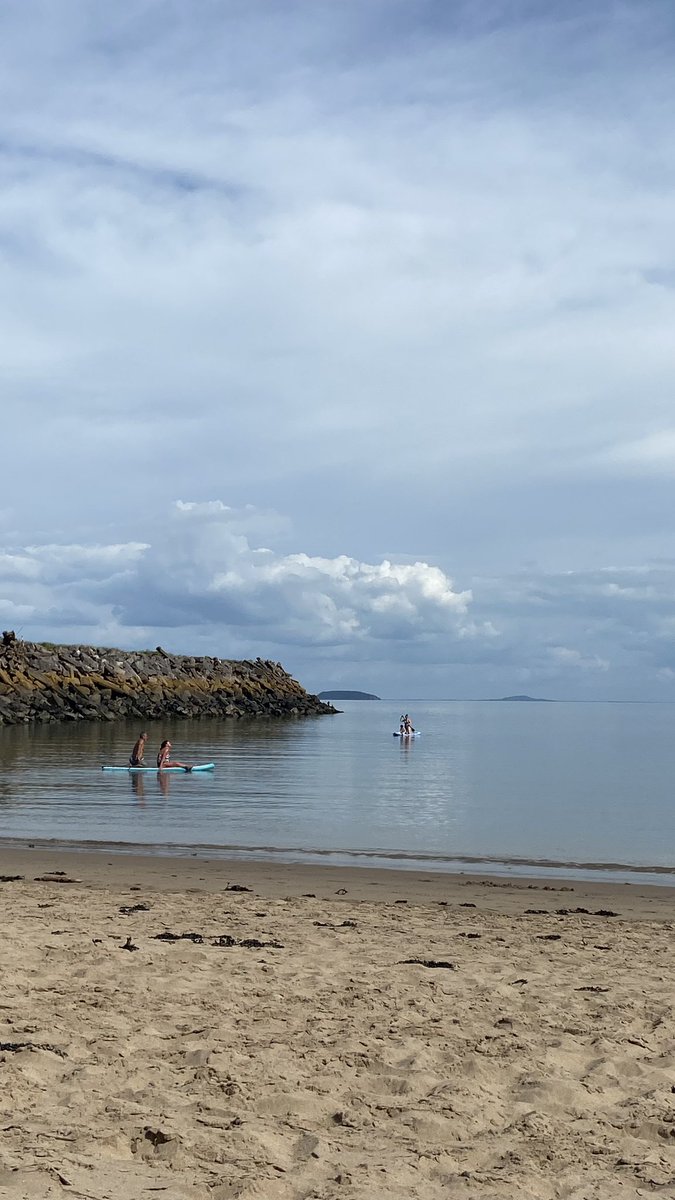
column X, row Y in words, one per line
column 205, row 562
column 55, row 562
column 9, row 611
column 203, row 572
column 226, row 256
column 212, row 578
column 18, row 566
column 564, row 656
column 655, row 452
column 402, row 272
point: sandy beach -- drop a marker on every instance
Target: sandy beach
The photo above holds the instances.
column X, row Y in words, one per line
column 181, row 1028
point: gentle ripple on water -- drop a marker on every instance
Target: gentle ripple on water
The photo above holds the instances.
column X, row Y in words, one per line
column 511, row 784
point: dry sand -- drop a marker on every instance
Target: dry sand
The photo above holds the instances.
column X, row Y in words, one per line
column 535, row 1059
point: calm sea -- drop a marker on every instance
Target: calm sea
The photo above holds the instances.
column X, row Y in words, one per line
column 503, row 787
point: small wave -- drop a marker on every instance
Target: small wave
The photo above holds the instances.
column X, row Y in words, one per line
column 373, row 858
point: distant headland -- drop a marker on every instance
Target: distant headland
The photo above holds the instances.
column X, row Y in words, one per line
column 528, row 699
column 337, row 695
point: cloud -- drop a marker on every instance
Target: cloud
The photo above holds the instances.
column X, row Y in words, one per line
column 565, row 656
column 655, row 452
column 203, row 572
column 614, row 622
column 255, row 247
column 213, row 578
column 401, row 272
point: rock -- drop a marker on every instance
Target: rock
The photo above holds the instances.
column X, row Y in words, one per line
column 73, row 683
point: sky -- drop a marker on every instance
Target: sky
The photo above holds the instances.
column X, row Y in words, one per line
column 341, row 334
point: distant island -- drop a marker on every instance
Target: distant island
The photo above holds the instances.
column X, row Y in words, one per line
column 335, row 695
column 529, row 699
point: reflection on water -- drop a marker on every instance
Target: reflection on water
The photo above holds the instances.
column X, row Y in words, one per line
column 160, row 786
column 559, row 783
column 137, row 786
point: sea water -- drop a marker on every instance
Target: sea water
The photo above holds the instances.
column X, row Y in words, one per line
column 501, row 786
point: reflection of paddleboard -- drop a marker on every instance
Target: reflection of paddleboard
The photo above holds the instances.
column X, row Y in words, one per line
column 415, row 733
column 199, row 767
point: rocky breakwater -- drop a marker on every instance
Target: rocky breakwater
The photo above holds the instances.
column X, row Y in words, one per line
column 42, row 682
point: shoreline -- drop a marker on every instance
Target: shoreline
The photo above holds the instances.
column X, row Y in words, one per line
column 228, row 1030
column 515, row 871
column 153, row 873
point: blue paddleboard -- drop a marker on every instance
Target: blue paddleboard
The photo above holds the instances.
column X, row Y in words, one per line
column 198, row 767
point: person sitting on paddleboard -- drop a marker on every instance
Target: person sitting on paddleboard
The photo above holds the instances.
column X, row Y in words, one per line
column 136, row 756
column 164, row 758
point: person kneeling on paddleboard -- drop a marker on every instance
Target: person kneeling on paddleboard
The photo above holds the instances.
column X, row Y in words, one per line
column 136, row 756
column 164, row 758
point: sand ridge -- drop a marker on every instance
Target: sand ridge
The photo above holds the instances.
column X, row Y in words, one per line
column 534, row 1056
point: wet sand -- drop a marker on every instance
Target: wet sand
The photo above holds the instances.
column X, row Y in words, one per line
column 331, row 1032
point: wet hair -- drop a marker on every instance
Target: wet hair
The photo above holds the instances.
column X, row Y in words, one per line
column 164, row 743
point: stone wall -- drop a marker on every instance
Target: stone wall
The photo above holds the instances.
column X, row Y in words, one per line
column 42, row 682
